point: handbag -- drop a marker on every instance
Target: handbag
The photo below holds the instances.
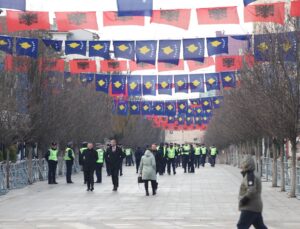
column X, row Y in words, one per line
column 140, row 180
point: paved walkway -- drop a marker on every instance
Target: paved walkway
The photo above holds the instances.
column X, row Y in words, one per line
column 206, row 199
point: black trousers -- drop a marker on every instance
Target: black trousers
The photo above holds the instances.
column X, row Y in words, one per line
column 248, row 218
column 121, row 168
column 178, row 160
column 185, row 160
column 128, row 161
column 197, row 161
column 169, row 163
column 69, row 166
column 99, row 172
column 51, row 171
column 203, row 159
column 107, row 169
column 164, row 164
column 153, row 185
column 212, row 160
column 191, row 166
column 89, row 175
column 115, row 177
column 137, row 165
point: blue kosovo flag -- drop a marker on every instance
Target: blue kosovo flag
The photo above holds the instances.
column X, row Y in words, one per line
column 13, row 4
column 262, row 47
column 189, row 120
column 165, row 83
column 171, row 119
column 288, row 46
column 118, row 84
column 135, row 107
column 170, row 108
column 124, row 49
column 198, row 111
column 159, row 108
column 195, row 102
column 169, row 51
column 6, row 44
column 86, row 78
column 217, row 45
column 146, row 52
column 149, row 85
column 228, row 79
column 135, row 7
column 181, row 83
column 247, row 2
column 197, row 83
column 212, row 81
column 99, row 49
column 206, row 103
column 134, row 85
column 27, row 47
column 208, row 113
column 197, row 120
column 146, row 107
column 216, row 101
column 193, row 49
column 56, row 45
column 182, row 106
column 122, row 108
column 102, row 82
column 75, row 47
column 181, row 119
column 190, row 112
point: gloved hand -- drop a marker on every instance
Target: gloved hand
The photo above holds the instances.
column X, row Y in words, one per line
column 244, row 201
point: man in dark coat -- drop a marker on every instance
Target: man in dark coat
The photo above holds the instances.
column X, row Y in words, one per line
column 159, row 158
column 115, row 156
column 89, row 159
column 138, row 155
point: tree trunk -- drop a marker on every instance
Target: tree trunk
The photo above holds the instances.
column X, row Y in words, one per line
column 258, row 158
column 294, row 170
column 274, row 165
column 282, row 169
column 7, row 169
column 29, row 164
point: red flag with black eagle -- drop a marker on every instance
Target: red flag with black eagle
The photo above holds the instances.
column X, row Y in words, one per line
column 113, row 65
column 76, row 20
column 51, row 65
column 28, row 20
column 218, row 15
column 111, row 18
column 83, row 65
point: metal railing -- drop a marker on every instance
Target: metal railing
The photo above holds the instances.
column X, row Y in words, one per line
column 23, row 173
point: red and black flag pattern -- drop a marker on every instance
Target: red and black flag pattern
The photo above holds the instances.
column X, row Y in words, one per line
column 76, row 20
column 219, row 15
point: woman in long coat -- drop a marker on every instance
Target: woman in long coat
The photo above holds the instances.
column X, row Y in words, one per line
column 147, row 171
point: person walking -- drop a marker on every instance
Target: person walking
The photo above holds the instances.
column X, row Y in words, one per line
column 171, row 154
column 197, row 156
column 83, row 148
column 115, row 156
column 69, row 159
column 89, row 159
column 52, row 157
column 106, row 161
column 128, row 153
column 213, row 154
column 147, row 171
column 191, row 162
column 99, row 163
column 138, row 156
column 203, row 155
column 250, row 202
column 121, row 163
column 185, row 156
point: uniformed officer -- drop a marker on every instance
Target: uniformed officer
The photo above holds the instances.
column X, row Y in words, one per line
column 128, row 153
column 51, row 157
column 191, row 162
column 178, row 155
column 83, row 148
column 197, row 156
column 203, row 155
column 213, row 155
column 171, row 154
column 250, row 202
column 99, row 163
column 185, row 156
column 69, row 159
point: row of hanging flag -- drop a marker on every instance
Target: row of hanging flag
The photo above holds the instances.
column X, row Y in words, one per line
column 136, row 85
column 36, row 20
column 201, row 107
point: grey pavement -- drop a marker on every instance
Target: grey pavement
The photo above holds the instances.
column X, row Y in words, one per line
column 206, row 199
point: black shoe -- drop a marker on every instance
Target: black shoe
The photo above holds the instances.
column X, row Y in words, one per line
column 115, row 189
column 98, row 182
column 70, row 182
column 121, row 174
column 147, row 193
column 88, row 190
column 55, row 182
column 154, row 193
column 174, row 173
column 92, row 189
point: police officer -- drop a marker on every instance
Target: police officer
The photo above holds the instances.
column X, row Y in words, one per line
column 213, row 155
column 178, row 155
column 128, row 153
column 83, row 148
column 197, row 156
column 191, row 167
column 203, row 154
column 250, row 202
column 171, row 154
column 69, row 159
column 51, row 157
column 185, row 156
column 164, row 161
column 99, row 163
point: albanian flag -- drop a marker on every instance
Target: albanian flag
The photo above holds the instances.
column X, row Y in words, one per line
column 140, row 66
column 218, row 15
column 195, row 65
column 164, row 67
column 113, row 65
column 76, row 20
column 232, row 63
column 80, row 66
column 111, row 18
column 51, row 65
column 178, row 18
column 295, row 8
column 273, row 12
column 29, row 20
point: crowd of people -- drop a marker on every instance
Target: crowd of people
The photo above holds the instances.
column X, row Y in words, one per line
column 167, row 157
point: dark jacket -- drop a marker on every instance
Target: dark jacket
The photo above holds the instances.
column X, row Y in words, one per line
column 138, row 154
column 250, row 189
column 89, row 158
column 114, row 159
column 159, row 157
